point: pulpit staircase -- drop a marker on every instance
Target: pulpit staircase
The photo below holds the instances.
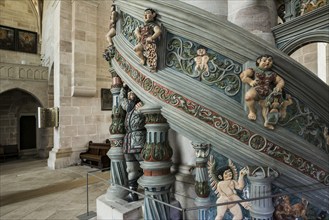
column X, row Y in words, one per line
column 210, row 108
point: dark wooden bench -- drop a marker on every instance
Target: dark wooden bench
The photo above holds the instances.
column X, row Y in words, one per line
column 96, row 156
column 7, row 151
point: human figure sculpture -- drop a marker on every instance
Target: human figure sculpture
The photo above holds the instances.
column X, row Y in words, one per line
column 225, row 186
column 112, row 32
column 147, row 35
column 134, row 139
column 266, row 88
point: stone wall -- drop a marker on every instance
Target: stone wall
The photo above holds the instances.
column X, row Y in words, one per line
column 23, row 89
column 73, row 41
column 74, row 51
column 19, row 14
column 307, row 56
column 310, row 57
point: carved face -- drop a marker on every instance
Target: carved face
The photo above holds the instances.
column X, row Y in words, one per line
column 149, row 16
column 131, row 96
column 265, row 63
column 201, row 52
column 227, row 175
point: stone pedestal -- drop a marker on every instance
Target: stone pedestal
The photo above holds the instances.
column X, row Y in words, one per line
column 118, row 209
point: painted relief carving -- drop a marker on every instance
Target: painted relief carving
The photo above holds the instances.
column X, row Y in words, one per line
column 310, row 5
column 305, row 123
column 204, row 65
column 266, row 89
column 284, row 210
column 129, row 25
column 112, row 25
column 225, row 185
column 224, row 125
column 134, row 138
column 201, row 61
column 147, row 35
column 110, row 50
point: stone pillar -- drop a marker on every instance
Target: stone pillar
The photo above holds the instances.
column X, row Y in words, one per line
column 117, row 133
column 84, row 50
column 260, row 185
column 218, row 7
column 202, row 188
column 258, row 17
column 157, row 179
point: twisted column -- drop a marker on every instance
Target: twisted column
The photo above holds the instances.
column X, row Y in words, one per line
column 202, row 188
column 260, row 185
column 117, row 133
column 157, row 179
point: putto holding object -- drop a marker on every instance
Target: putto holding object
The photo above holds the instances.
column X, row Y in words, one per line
column 225, row 185
column 266, row 89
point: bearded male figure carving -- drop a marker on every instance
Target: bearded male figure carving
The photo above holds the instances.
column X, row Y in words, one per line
column 134, row 139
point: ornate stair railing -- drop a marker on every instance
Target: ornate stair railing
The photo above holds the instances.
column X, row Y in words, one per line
column 204, row 110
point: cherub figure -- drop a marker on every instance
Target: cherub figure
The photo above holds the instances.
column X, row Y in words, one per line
column 263, row 82
column 146, row 36
column 112, row 24
column 201, row 61
column 225, row 185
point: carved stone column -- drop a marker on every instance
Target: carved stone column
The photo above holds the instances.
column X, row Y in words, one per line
column 157, row 179
column 202, row 188
column 260, row 185
column 117, row 131
column 257, row 17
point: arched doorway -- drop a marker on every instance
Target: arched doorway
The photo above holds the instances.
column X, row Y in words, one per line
column 18, row 115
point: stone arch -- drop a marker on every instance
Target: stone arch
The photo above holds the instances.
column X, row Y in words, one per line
column 40, row 96
column 19, row 105
column 313, row 37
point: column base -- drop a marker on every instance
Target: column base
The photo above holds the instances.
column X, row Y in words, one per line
column 118, row 209
column 113, row 193
column 59, row 158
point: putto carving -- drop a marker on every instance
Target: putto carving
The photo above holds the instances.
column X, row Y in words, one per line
column 284, row 209
column 225, row 185
column 224, row 125
column 266, row 89
column 201, row 61
column 147, row 35
column 205, row 65
column 112, row 25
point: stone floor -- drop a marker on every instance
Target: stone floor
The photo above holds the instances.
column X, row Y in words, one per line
column 30, row 190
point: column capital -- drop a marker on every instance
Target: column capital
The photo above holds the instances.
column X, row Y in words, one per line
column 201, row 149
